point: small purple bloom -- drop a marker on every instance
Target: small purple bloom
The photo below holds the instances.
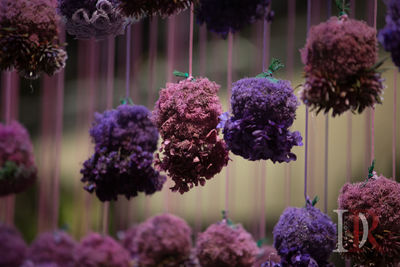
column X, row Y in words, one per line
column 389, row 36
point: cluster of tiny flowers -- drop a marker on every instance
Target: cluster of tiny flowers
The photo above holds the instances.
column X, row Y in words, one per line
column 52, row 248
column 17, row 165
column 378, row 199
column 340, row 67
column 29, row 37
column 267, row 255
column 225, row 16
column 304, row 235
column 262, row 111
column 163, row 240
column 13, row 248
column 389, row 36
column 143, row 8
column 98, row 250
column 87, row 19
column 187, row 114
column 226, row 245
column 125, row 140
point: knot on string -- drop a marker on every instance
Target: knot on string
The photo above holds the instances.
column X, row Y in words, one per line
column 184, row 75
column 344, row 8
column 226, row 220
column 371, row 170
column 275, row 65
column 126, row 101
column 310, row 202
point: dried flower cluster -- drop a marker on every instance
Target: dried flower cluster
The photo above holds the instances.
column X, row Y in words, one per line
column 304, row 237
column 97, row 250
column 340, row 67
column 263, row 109
column 225, row 16
column 378, row 199
column 187, row 114
column 143, row 8
column 226, row 245
column 163, row 240
column 52, row 248
column 12, row 247
column 389, row 36
column 125, row 140
column 29, row 37
column 98, row 19
column 17, row 165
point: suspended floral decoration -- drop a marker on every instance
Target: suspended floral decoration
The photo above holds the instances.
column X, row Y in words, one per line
column 187, row 114
column 29, row 37
column 125, row 139
column 13, row 248
column 389, row 36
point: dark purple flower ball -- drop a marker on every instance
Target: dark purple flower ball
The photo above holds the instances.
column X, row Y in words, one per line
column 340, row 59
column 226, row 245
column 304, row 235
column 163, row 8
column 187, row 114
column 87, row 19
column 29, row 37
column 163, row 240
column 262, row 111
column 17, row 165
column 53, row 248
column 224, row 16
column 378, row 199
column 12, row 247
column 389, row 36
column 125, row 140
column 96, row 250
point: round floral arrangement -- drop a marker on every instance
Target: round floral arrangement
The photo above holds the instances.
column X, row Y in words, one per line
column 389, row 36
column 13, row 248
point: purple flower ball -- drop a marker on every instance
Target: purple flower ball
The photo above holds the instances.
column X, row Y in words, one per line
column 262, row 111
column 226, row 245
column 12, row 247
column 163, row 240
column 304, row 235
column 17, row 165
column 96, row 250
column 127, row 239
column 53, row 248
column 125, row 140
column 378, row 199
column 224, row 16
column 389, row 36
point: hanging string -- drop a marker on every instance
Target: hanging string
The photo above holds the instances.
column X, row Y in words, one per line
column 373, row 109
column 306, row 113
column 394, row 141
column 191, row 40
column 128, row 61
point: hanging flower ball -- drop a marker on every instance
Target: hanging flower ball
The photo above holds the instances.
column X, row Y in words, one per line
column 17, row 166
column 29, row 37
column 125, row 140
column 304, row 237
column 163, row 240
column 53, row 248
column 225, row 244
column 224, row 16
column 127, row 239
column 340, row 66
column 267, row 255
column 97, row 19
column 187, row 114
column 12, row 247
column 144, row 8
column 263, row 109
column 389, row 36
column 98, row 250
column 378, row 199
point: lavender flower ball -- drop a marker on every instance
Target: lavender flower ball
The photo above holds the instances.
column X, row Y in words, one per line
column 304, row 235
column 389, row 36
column 262, row 111
column 378, row 197
column 125, row 140
column 226, row 245
column 53, row 248
column 17, row 165
column 96, row 250
column 12, row 247
column 224, row 16
column 87, row 19
column 163, row 240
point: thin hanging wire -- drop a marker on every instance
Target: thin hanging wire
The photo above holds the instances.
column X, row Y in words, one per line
column 229, row 87
column 394, row 141
column 128, row 61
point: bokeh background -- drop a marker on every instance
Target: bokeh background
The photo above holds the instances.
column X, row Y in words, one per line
column 158, row 47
